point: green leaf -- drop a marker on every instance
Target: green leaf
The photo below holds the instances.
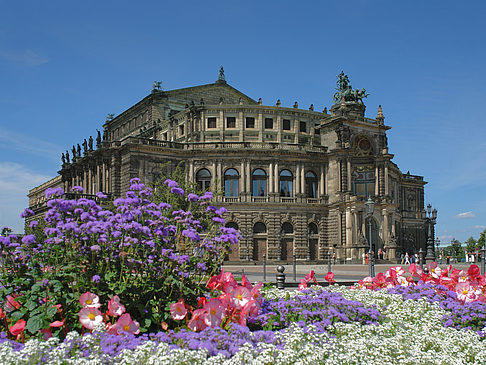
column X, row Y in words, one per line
column 15, row 316
column 34, row 324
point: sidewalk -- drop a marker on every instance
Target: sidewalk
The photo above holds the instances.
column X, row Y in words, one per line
column 345, row 274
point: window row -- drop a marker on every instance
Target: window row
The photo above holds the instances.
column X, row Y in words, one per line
column 286, row 228
column 250, row 123
column 259, row 183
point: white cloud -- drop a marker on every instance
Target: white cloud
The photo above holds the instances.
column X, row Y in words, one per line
column 479, row 226
column 27, row 57
column 445, row 238
column 21, row 142
column 15, row 182
column 465, row 215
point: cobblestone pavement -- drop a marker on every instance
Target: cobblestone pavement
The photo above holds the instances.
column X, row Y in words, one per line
column 342, row 273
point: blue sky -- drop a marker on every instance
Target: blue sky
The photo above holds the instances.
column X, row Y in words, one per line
column 64, row 66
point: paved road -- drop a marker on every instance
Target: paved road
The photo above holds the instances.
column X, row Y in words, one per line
column 342, row 273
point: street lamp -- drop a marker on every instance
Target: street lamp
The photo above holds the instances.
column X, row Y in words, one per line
column 430, row 218
column 437, row 250
column 483, row 261
column 370, row 207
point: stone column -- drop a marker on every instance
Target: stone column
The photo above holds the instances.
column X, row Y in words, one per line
column 297, row 179
column 270, row 178
column 302, row 179
column 222, row 126
column 248, row 176
column 203, row 126
column 377, row 184
column 243, row 178
column 385, row 227
column 240, row 125
column 349, row 238
column 276, row 178
column 349, row 175
column 220, row 176
column 386, row 180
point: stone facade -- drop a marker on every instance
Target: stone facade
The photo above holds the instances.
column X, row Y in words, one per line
column 294, row 181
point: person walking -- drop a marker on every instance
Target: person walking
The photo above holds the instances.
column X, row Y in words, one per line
column 407, row 259
column 364, row 258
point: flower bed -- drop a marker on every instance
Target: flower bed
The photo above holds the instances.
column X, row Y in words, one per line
column 137, row 283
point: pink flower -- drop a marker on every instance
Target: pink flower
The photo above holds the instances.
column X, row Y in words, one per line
column 215, row 312
column 18, row 327
column 57, row 324
column 309, row 276
column 197, row 321
column 11, row 303
column 330, row 277
column 90, row 317
column 466, row 292
column 178, row 310
column 250, row 309
column 239, row 296
column 47, row 333
column 303, row 284
column 89, row 300
column 246, row 283
column 126, row 324
column 256, row 295
column 114, row 307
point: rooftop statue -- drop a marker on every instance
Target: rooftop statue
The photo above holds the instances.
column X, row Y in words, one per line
column 221, row 76
column 345, row 91
column 157, row 86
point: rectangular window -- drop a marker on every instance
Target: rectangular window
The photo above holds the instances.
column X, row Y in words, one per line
column 231, row 122
column 212, row 122
column 250, row 122
column 317, row 130
column 303, row 127
column 286, row 125
column 181, row 129
column 268, row 123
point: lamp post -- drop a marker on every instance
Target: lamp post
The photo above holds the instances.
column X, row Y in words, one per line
column 437, row 250
column 370, row 207
column 430, row 218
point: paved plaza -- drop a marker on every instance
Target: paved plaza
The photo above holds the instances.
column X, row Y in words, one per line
column 344, row 274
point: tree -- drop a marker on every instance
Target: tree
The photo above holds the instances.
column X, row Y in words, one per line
column 471, row 244
column 481, row 240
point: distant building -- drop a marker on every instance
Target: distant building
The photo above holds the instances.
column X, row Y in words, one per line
column 295, row 180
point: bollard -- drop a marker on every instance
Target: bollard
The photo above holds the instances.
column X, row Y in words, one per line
column 329, row 262
column 280, row 277
column 421, row 258
column 264, row 267
column 295, row 267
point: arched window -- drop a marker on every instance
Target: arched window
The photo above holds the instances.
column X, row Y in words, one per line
column 259, row 183
column 203, row 179
column 311, row 184
column 231, row 179
column 259, row 227
column 312, row 227
column 231, row 225
column 286, row 181
column 287, row 228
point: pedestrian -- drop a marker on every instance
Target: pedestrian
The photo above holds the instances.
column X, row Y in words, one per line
column 448, row 259
column 403, row 258
column 364, row 258
column 379, row 254
column 407, row 259
column 334, row 258
column 367, row 258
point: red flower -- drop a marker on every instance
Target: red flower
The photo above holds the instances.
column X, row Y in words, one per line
column 330, row 277
column 18, row 327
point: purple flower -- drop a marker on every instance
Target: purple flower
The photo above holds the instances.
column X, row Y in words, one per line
column 28, row 239
column 26, row 213
column 95, row 278
column 177, row 191
column 100, row 195
column 95, row 248
column 171, row 183
column 77, row 189
column 53, row 192
column 192, row 197
column 33, row 224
